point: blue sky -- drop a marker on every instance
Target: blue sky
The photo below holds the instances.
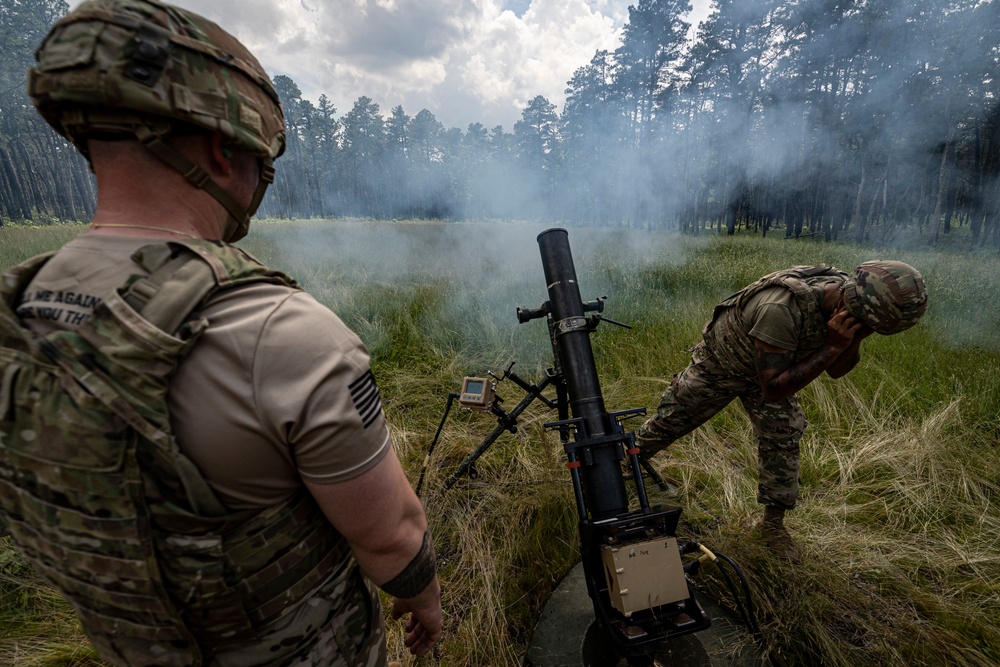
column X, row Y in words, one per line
column 517, row 6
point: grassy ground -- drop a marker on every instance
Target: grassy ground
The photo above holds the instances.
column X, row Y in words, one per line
column 898, row 517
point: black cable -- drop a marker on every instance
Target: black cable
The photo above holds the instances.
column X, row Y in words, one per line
column 750, row 623
column 746, row 592
column 747, row 612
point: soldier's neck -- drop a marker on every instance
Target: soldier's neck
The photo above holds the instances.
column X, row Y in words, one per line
column 831, row 296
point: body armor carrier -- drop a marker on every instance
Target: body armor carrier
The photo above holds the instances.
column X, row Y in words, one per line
column 726, row 337
column 99, row 499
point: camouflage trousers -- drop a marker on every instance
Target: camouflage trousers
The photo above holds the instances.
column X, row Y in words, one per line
column 704, row 388
column 341, row 625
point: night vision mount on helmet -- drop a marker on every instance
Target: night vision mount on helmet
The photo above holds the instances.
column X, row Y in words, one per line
column 146, row 69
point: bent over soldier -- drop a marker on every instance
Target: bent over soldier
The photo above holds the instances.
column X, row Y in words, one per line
column 768, row 341
column 193, row 449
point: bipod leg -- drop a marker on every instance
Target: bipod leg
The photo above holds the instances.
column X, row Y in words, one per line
column 430, row 450
column 507, row 422
column 653, row 475
column 469, row 460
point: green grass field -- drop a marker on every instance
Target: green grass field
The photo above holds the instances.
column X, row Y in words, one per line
column 898, row 518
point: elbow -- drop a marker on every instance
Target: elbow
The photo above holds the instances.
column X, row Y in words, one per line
column 839, row 370
column 772, row 393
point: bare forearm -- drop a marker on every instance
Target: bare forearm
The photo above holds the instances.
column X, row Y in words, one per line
column 379, row 515
column 850, row 357
column 781, row 377
column 414, row 576
column 384, row 522
column 385, row 559
column 844, row 363
column 416, row 591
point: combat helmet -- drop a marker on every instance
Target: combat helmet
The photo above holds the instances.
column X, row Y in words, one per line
column 146, row 69
column 888, row 296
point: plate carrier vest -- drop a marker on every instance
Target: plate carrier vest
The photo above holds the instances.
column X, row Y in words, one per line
column 726, row 338
column 99, row 499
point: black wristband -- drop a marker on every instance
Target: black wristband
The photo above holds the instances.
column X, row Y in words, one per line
column 417, row 575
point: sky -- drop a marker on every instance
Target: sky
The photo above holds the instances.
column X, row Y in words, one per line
column 465, row 61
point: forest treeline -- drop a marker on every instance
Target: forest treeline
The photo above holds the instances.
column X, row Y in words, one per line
column 871, row 120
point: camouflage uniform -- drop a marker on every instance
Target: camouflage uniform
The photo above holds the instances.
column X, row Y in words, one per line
column 887, row 296
column 722, row 368
column 351, row 632
column 99, row 498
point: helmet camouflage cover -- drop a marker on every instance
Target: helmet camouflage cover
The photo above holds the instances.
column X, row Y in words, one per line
column 112, row 64
column 146, row 69
column 888, row 296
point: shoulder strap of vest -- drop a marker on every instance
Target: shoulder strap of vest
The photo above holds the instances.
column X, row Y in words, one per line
column 15, row 281
column 804, row 272
column 793, row 278
column 182, row 275
column 177, row 282
column 791, row 281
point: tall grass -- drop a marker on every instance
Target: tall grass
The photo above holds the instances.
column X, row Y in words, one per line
column 897, row 520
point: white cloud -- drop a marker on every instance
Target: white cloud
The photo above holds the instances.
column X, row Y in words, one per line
column 516, row 59
column 464, row 60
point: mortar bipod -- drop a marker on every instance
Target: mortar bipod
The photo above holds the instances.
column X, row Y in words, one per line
column 507, row 421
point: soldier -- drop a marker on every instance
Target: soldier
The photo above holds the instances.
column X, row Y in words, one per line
column 768, row 341
column 193, row 449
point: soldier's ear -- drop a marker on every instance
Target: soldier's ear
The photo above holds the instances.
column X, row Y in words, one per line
column 221, row 155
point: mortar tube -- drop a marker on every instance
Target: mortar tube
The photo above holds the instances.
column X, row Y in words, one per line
column 603, row 483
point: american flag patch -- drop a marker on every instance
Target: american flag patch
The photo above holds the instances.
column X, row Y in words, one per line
column 366, row 398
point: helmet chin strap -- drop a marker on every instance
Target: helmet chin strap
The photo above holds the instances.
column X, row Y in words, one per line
column 238, row 222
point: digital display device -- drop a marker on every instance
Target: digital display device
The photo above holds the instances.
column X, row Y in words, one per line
column 477, row 394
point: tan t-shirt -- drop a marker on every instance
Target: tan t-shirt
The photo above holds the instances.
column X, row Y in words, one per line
column 277, row 390
column 772, row 315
